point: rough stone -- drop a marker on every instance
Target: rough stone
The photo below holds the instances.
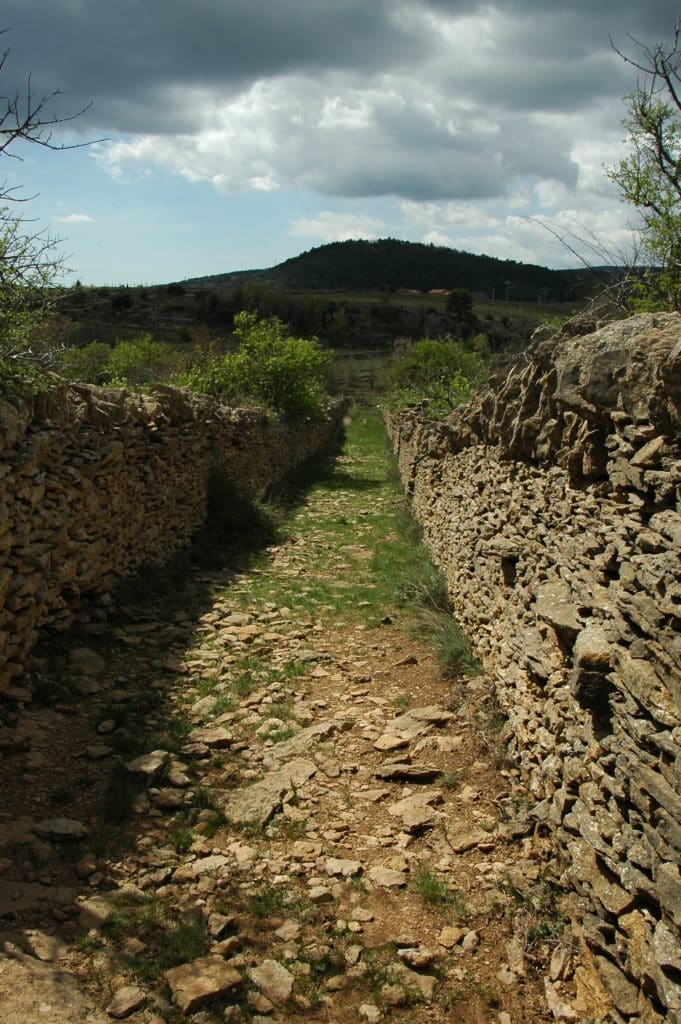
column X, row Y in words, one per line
column 125, row 1001
column 60, row 830
column 206, row 978
column 273, row 980
column 217, row 737
column 336, row 866
column 387, row 878
column 257, row 803
column 95, row 912
column 80, row 459
column 149, row 765
column 416, row 811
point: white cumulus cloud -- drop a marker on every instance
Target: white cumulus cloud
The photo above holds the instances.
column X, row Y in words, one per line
column 74, row 218
column 328, row 226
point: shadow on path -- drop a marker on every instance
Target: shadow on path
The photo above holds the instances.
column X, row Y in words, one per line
column 105, row 692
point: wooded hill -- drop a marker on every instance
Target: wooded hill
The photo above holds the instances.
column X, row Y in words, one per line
column 348, row 294
column 392, row 265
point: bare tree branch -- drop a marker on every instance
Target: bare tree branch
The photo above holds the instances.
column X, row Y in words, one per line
column 30, row 258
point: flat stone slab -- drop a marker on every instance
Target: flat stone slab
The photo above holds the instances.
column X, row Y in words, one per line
column 60, row 830
column 216, row 738
column 98, row 751
column 422, row 983
column 49, row 948
column 206, row 978
column 463, row 837
column 202, row 866
column 387, row 878
column 125, row 1001
column 302, row 741
column 405, row 728
column 416, row 811
column 257, row 804
column 555, row 604
column 399, row 772
column 390, row 741
column 21, row 896
column 95, row 912
column 432, row 713
column 149, row 765
column 273, row 980
column 337, row 867
column 372, row 796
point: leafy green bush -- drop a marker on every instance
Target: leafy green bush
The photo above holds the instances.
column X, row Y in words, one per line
column 27, row 347
column 440, row 372
column 134, row 362
column 141, row 360
column 270, row 367
column 86, row 363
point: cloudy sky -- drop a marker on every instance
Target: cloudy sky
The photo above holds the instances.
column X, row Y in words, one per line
column 238, row 133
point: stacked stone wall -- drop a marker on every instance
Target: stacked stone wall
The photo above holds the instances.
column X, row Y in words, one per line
column 552, row 503
column 96, row 483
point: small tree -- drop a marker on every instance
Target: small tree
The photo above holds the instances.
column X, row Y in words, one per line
column 438, row 372
column 650, row 176
column 270, row 367
column 460, row 304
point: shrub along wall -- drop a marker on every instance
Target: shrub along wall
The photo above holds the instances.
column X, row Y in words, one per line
column 96, row 483
column 552, row 504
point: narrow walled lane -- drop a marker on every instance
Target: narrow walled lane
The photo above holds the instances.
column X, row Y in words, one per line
column 288, row 811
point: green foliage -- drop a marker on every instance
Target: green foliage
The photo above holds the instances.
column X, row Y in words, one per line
column 133, row 362
column 649, row 177
column 389, row 264
column 452, row 648
column 441, row 373
column 406, row 576
column 27, row 270
column 435, row 892
column 267, row 900
column 141, row 360
column 404, row 570
column 653, row 126
column 29, row 259
column 270, row 367
column 169, row 939
column 460, row 304
column 88, row 363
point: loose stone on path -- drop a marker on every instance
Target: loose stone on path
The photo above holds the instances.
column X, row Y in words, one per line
column 193, row 983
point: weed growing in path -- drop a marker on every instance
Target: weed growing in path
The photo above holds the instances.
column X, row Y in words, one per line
column 267, row 901
column 435, row 892
column 169, row 939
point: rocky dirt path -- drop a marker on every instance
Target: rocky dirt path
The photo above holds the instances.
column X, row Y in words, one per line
column 269, row 803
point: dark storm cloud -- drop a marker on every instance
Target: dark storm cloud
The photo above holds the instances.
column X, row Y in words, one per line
column 424, row 99
column 652, row 20
column 124, row 55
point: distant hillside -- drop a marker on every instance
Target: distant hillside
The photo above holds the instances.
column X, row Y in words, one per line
column 391, row 265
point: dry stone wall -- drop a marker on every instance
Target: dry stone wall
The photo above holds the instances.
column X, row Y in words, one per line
column 552, row 503
column 96, row 483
